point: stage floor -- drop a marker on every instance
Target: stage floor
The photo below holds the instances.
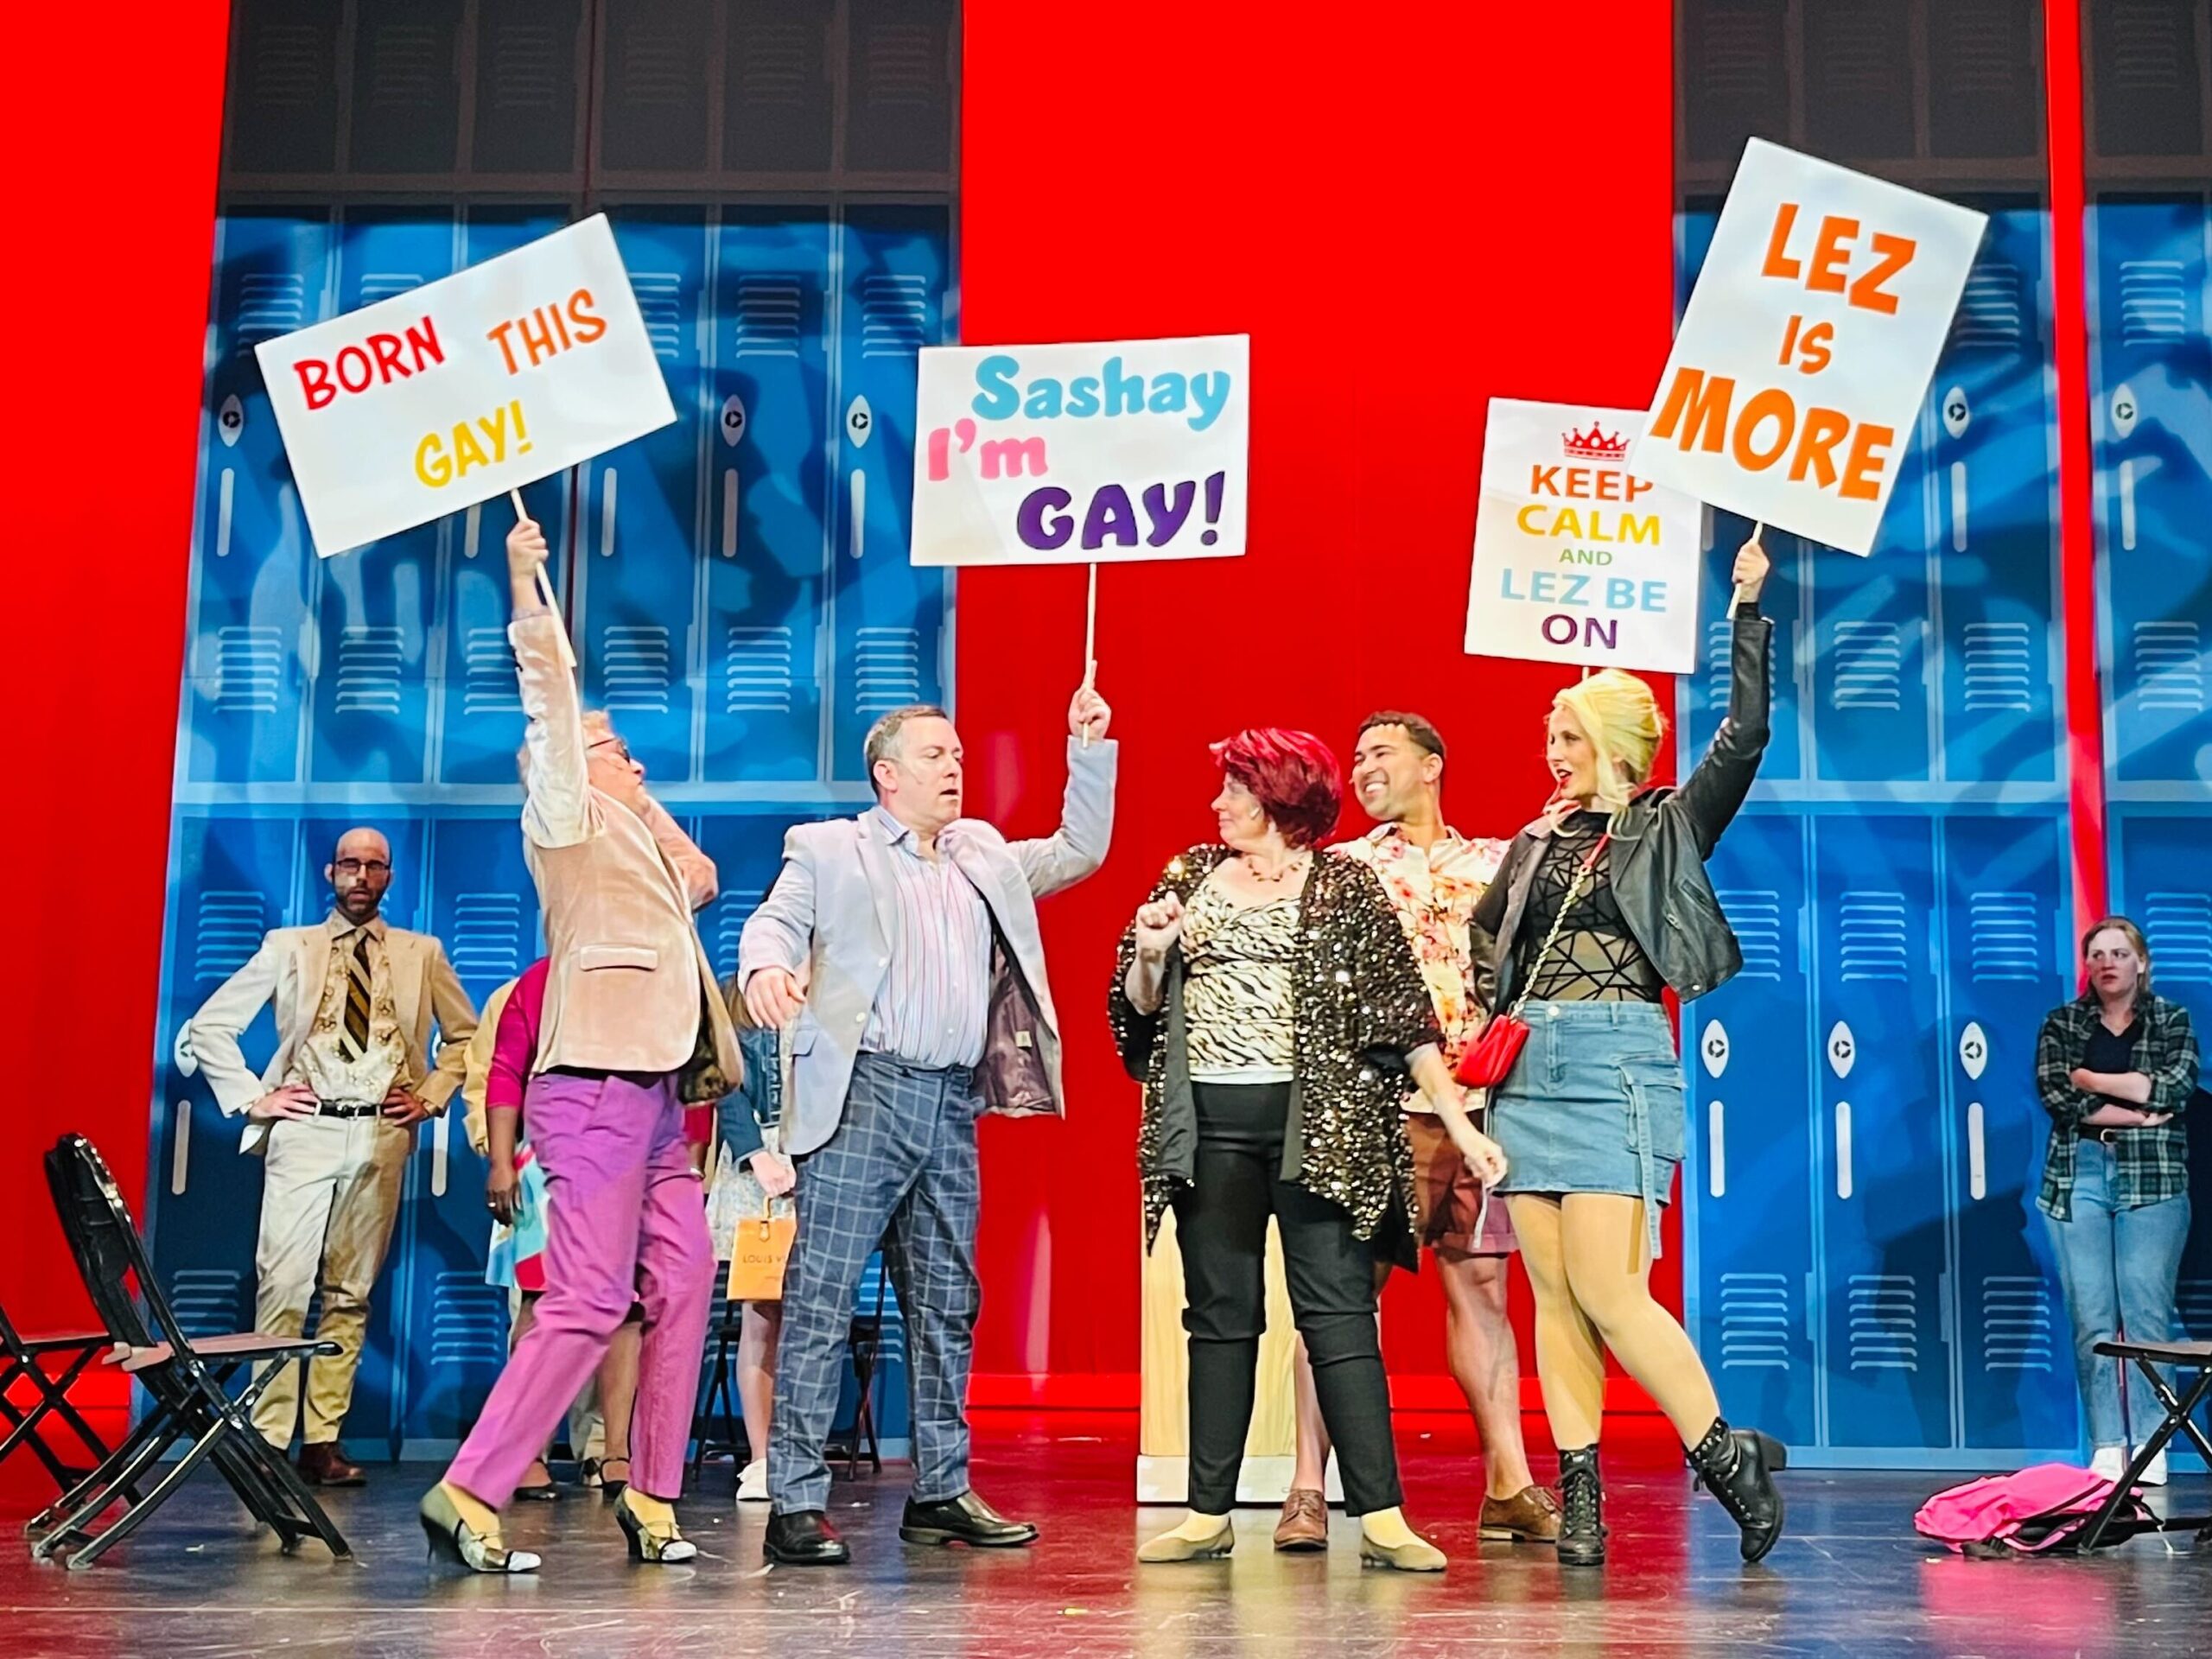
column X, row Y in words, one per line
column 1850, row 1578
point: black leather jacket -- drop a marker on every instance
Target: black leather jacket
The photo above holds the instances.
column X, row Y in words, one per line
column 1661, row 841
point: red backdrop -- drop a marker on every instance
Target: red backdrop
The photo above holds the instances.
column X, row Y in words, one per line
column 1410, row 211
column 1406, row 216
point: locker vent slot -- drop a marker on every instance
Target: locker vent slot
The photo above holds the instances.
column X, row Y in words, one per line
column 731, row 915
column 895, row 314
column 2193, row 1301
column 1875, row 928
column 887, row 669
column 635, row 659
column 1993, row 315
column 767, row 317
column 386, row 284
column 1756, row 915
column 490, row 686
column 368, row 671
column 1869, row 666
column 1884, row 1322
column 2153, row 302
column 468, row 1321
column 2180, row 928
column 2168, row 666
column 2016, row 1327
column 248, row 669
column 779, row 60
column 270, row 303
column 209, row 1301
column 900, row 66
column 660, row 301
column 403, row 67
column 286, row 68
column 488, row 936
column 227, row 933
column 894, row 1322
column 524, row 57
column 2003, row 929
column 2000, row 668
column 655, row 64
column 757, row 678
column 1754, row 1322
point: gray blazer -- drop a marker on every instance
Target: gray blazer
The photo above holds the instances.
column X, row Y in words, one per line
column 832, row 905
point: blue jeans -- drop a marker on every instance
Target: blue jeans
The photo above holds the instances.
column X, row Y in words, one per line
column 2118, row 1266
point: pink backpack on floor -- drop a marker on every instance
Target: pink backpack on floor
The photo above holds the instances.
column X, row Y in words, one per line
column 2038, row 1509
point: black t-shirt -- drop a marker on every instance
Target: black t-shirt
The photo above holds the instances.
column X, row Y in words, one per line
column 2111, row 1053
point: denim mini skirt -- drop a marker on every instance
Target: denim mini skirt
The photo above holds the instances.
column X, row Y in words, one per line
column 1594, row 1103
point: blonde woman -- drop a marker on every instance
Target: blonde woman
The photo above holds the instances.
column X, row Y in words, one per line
column 1600, row 906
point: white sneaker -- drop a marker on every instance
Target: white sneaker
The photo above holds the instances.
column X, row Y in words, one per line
column 2154, row 1472
column 2109, row 1463
column 753, row 1482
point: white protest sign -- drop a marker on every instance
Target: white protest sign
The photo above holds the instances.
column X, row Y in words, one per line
column 1083, row 455
column 1575, row 560
column 457, row 391
column 1801, row 360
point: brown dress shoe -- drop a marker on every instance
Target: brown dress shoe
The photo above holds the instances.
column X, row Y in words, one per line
column 324, row 1464
column 1529, row 1516
column 1305, row 1523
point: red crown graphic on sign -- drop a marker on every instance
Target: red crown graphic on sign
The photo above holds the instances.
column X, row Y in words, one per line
column 1594, row 445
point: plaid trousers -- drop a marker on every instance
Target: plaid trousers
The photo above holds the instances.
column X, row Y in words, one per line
column 901, row 1168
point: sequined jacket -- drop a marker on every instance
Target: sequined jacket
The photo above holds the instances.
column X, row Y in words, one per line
column 1361, row 1007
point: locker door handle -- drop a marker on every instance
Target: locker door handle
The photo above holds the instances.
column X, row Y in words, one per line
column 1716, row 1152
column 179, row 1145
column 440, row 1144
column 730, row 512
column 607, row 498
column 859, row 427
column 1958, row 506
column 2126, row 505
column 1977, row 1153
column 1843, row 1182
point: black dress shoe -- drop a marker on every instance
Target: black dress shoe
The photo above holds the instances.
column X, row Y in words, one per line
column 804, row 1538
column 965, row 1519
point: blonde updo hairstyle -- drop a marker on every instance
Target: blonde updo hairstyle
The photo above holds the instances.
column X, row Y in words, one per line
column 1619, row 714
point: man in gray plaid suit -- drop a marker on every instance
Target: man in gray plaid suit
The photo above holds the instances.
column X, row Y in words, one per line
column 902, row 914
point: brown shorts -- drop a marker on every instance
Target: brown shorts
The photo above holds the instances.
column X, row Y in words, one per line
column 1449, row 1200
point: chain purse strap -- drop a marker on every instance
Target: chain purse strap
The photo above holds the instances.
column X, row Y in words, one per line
column 1575, row 891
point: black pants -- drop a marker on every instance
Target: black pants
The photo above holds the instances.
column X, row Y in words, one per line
column 1221, row 1226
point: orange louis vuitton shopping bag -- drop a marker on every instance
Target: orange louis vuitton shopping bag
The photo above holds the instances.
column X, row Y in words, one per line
column 757, row 1251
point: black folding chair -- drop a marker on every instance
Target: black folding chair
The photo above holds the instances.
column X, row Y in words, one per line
column 2181, row 1414
column 186, row 1383
column 717, row 1398
column 872, row 1337
column 23, row 1359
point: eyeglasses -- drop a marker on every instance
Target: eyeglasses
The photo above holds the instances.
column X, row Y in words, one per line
column 361, row 867
column 621, row 749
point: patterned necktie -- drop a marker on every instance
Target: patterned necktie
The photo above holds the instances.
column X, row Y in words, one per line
column 357, row 996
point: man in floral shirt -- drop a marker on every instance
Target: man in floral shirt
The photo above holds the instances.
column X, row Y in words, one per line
column 1434, row 876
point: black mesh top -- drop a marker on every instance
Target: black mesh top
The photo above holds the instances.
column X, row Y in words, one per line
column 1596, row 958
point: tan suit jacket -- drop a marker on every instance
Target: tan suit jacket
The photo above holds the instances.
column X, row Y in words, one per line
column 630, row 981
column 291, row 967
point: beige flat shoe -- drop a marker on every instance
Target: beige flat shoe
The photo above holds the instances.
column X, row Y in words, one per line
column 1418, row 1556
column 1175, row 1546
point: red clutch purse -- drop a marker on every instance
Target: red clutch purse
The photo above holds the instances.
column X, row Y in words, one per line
column 1489, row 1061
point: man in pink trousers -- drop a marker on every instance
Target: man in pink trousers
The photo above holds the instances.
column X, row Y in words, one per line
column 630, row 1001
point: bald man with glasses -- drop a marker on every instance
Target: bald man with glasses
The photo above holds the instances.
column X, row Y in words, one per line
column 332, row 1116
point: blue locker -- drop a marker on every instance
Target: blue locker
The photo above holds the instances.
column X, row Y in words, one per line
column 1870, row 628
column 1994, row 479
column 1881, row 1204
column 376, row 606
column 2003, row 953
column 232, row 878
column 748, row 850
column 1745, row 1183
column 889, row 639
column 2152, row 369
column 244, row 679
column 638, row 548
column 481, row 721
column 767, row 494
column 452, row 1328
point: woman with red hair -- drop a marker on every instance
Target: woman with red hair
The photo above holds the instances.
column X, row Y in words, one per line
column 1266, row 998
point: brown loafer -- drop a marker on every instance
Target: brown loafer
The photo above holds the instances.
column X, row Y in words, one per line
column 1305, row 1523
column 323, row 1464
column 1529, row 1516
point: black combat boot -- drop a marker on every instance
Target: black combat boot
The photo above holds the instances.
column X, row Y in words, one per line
column 1738, row 1465
column 1582, row 1503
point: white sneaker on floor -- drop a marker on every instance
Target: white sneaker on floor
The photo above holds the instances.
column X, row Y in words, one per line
column 2154, row 1472
column 2109, row 1462
column 753, row 1482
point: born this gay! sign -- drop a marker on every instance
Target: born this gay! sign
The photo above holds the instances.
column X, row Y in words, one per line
column 460, row 389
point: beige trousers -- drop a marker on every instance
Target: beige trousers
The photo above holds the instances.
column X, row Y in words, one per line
column 329, row 1196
